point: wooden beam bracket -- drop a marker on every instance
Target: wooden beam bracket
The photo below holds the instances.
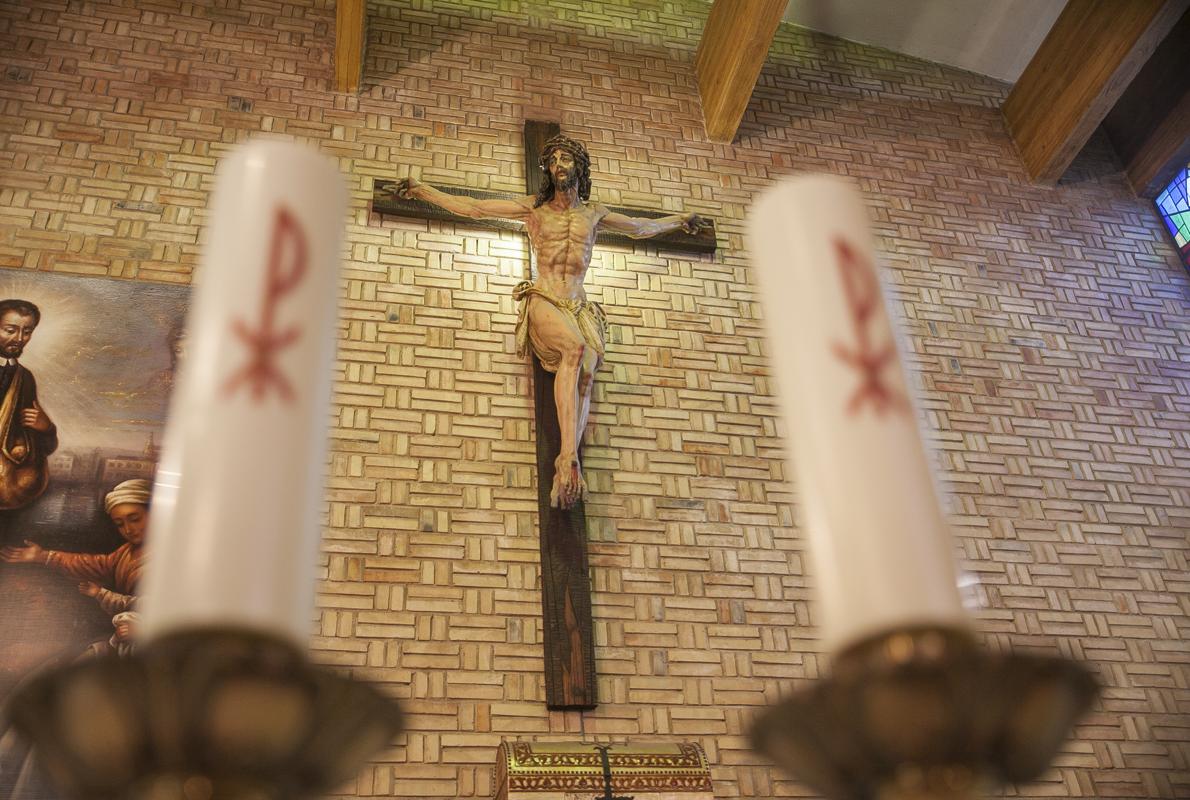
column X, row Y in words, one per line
column 731, row 53
column 351, row 38
column 1087, row 60
column 1150, row 124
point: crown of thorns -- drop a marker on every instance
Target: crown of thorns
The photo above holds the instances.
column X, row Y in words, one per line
column 576, row 149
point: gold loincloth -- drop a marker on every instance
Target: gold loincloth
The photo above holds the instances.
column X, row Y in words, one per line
column 587, row 315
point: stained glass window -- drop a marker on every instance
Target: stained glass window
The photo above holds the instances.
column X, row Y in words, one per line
column 1174, row 205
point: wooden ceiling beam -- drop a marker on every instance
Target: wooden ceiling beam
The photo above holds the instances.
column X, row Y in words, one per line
column 351, row 36
column 1090, row 56
column 1150, row 124
column 733, row 48
column 1165, row 152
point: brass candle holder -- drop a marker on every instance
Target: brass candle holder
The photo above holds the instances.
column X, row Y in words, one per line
column 925, row 713
column 202, row 714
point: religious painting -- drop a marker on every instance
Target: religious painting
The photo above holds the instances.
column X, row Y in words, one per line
column 86, row 369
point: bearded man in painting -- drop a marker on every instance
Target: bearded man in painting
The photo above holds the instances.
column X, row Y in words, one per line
column 27, row 435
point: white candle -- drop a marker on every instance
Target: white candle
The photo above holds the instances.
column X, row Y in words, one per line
column 879, row 545
column 233, row 537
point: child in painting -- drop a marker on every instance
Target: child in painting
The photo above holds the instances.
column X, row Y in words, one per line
column 122, row 643
column 110, row 578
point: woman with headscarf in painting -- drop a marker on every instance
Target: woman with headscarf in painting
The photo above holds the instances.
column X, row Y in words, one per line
column 110, row 578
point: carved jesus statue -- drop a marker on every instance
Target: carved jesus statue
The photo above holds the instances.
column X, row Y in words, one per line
column 557, row 322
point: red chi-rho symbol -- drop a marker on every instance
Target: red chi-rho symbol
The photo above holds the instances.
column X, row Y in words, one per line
column 862, row 293
column 265, row 342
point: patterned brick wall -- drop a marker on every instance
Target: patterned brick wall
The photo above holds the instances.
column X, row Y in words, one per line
column 1049, row 327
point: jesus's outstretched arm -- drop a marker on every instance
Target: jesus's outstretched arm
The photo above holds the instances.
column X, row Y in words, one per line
column 413, row 189
column 644, row 227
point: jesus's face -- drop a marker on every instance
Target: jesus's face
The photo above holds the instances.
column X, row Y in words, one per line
column 562, row 170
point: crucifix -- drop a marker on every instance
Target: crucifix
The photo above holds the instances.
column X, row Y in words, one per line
column 564, row 333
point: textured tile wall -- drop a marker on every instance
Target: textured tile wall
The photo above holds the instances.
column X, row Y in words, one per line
column 1050, row 330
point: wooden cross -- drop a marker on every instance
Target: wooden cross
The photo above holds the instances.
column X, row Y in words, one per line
column 565, row 579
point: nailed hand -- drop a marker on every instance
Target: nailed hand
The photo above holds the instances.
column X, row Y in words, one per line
column 695, row 224
column 405, row 188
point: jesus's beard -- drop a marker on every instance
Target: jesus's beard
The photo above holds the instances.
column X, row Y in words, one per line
column 565, row 182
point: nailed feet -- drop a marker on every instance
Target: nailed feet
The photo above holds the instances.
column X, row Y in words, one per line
column 569, row 486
